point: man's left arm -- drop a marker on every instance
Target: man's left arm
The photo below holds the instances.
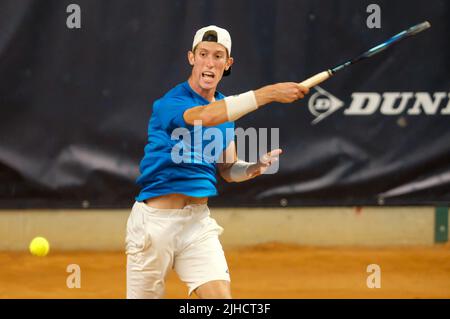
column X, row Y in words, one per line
column 233, row 169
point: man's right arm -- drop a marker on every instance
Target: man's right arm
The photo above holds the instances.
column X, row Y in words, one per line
column 218, row 112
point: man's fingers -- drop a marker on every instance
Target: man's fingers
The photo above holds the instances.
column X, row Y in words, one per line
column 275, row 152
column 303, row 89
column 268, row 158
column 265, row 159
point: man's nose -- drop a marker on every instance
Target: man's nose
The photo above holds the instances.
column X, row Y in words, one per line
column 209, row 62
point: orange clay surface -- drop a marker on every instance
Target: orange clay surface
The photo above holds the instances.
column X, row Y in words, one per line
column 264, row 271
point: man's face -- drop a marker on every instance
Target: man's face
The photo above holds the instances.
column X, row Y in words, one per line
column 209, row 60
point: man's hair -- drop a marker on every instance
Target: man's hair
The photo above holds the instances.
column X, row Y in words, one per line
column 210, row 36
column 226, row 51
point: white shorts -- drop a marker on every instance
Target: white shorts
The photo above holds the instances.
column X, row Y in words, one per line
column 186, row 240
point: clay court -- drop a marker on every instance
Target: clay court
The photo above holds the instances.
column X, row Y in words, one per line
column 264, row 271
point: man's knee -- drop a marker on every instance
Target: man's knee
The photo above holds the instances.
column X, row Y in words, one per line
column 217, row 289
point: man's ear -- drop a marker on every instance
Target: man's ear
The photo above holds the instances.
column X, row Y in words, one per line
column 191, row 58
column 229, row 63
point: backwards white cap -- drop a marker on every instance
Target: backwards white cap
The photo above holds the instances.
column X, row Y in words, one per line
column 210, row 32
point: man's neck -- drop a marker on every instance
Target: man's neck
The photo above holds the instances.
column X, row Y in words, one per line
column 206, row 94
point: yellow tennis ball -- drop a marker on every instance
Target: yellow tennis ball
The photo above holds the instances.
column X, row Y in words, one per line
column 39, row 246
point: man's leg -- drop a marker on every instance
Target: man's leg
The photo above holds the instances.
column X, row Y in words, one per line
column 201, row 262
column 148, row 257
column 145, row 280
column 217, row 289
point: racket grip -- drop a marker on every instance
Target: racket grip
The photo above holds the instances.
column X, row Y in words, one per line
column 316, row 79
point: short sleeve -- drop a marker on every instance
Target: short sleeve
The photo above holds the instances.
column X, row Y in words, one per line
column 170, row 112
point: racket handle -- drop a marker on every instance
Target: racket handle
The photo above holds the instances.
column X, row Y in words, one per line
column 316, row 79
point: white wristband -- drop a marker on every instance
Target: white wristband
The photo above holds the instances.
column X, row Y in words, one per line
column 239, row 105
column 238, row 171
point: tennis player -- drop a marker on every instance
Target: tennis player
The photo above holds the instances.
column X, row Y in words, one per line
column 170, row 224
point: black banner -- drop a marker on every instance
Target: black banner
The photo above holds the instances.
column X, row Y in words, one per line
column 75, row 102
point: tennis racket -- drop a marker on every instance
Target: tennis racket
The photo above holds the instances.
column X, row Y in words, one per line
column 325, row 75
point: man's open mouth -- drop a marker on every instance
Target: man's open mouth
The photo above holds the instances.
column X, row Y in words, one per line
column 207, row 74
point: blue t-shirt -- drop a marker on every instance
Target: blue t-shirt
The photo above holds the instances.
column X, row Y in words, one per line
column 181, row 158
